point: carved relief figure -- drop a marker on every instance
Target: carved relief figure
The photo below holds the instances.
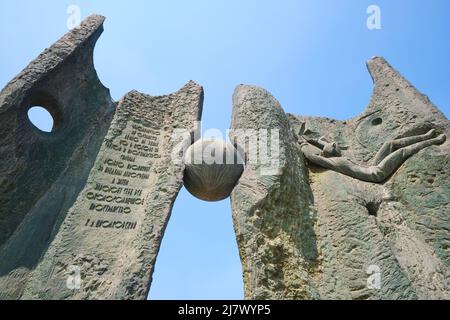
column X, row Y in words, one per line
column 388, row 159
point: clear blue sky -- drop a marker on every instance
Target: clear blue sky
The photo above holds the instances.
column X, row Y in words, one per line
column 310, row 54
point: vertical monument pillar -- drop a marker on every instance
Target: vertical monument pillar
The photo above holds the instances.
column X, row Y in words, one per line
column 84, row 208
column 272, row 204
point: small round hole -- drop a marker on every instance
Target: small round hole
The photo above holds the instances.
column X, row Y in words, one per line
column 41, row 118
column 377, row 121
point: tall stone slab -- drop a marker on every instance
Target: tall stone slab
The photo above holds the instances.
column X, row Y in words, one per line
column 112, row 234
column 272, row 204
column 387, row 240
column 84, row 208
column 42, row 173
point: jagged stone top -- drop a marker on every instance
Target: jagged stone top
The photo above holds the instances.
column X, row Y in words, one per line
column 190, row 86
column 392, row 92
column 50, row 59
column 192, row 93
column 389, row 84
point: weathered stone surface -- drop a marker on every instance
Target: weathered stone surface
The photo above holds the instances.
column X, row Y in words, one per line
column 89, row 201
column 272, row 214
column 83, row 209
column 41, row 174
column 114, row 230
column 400, row 226
column 213, row 167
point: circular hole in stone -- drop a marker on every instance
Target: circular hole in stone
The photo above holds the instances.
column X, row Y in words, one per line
column 41, row 118
column 377, row 121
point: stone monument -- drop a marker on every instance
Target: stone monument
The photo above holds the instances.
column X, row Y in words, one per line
column 338, row 222
column 323, row 209
column 92, row 198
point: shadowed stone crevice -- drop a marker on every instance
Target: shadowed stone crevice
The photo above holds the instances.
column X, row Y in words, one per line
column 372, row 207
column 377, row 121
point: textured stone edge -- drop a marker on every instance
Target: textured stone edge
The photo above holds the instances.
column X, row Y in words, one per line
column 274, row 242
